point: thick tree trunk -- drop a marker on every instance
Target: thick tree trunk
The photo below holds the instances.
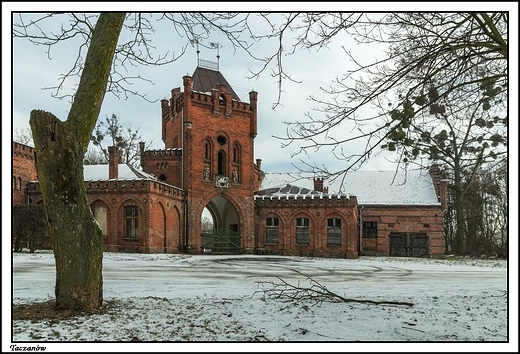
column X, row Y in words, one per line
column 60, row 148
column 75, row 235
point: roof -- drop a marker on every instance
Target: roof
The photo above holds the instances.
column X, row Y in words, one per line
column 413, row 187
column 125, row 172
column 205, row 80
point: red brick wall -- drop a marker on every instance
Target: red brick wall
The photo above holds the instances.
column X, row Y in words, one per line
column 318, row 211
column 24, row 170
column 403, row 219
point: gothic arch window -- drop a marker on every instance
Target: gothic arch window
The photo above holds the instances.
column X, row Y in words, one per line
column 236, row 153
column 207, row 149
column 19, row 183
column 221, row 162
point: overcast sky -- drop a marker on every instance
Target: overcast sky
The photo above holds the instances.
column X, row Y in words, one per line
column 32, row 70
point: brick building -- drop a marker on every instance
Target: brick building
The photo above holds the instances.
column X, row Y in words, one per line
column 208, row 168
column 24, row 171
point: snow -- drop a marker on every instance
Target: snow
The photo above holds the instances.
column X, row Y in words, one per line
column 125, row 172
column 412, row 187
column 195, row 300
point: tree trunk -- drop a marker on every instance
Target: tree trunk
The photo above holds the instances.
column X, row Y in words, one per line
column 60, row 148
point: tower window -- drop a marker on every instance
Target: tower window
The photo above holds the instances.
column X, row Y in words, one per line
column 221, row 163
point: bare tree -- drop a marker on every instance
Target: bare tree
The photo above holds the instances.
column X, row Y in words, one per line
column 125, row 138
column 23, row 136
column 429, row 56
column 60, row 147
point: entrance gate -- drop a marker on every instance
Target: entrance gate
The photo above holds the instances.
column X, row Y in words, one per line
column 222, row 241
column 408, row 245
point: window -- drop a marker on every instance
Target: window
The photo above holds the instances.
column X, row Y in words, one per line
column 272, row 230
column 236, row 154
column 131, row 221
column 334, row 232
column 369, row 229
column 302, row 231
column 221, row 163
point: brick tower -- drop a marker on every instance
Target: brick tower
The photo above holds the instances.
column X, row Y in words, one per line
column 209, row 135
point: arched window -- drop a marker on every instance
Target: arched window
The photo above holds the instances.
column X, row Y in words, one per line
column 236, row 153
column 222, row 100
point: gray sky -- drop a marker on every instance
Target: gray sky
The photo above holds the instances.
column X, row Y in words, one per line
column 32, row 71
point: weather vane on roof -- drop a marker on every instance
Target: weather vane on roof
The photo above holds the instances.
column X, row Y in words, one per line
column 207, row 63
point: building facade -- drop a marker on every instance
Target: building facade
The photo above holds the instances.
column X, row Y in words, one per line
column 208, row 168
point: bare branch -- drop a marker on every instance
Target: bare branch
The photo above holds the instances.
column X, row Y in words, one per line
column 315, row 292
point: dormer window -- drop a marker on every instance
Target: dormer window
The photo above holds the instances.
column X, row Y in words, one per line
column 222, row 101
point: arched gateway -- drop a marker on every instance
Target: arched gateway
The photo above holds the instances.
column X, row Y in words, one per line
column 220, row 228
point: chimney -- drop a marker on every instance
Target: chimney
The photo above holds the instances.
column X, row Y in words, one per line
column 259, row 163
column 318, row 184
column 113, row 162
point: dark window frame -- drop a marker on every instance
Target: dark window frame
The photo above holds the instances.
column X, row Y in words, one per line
column 272, row 230
column 334, row 232
column 302, row 231
column 369, row 229
column 131, row 214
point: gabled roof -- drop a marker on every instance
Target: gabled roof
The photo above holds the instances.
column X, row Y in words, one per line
column 205, row 80
column 413, row 187
column 125, row 172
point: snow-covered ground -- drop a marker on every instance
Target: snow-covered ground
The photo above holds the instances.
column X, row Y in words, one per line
column 219, row 303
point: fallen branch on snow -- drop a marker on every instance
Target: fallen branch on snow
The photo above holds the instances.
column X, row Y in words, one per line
column 316, row 292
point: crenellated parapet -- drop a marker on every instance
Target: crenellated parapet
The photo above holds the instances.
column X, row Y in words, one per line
column 313, row 199
column 122, row 186
column 209, row 99
column 131, row 186
column 22, row 150
column 163, row 153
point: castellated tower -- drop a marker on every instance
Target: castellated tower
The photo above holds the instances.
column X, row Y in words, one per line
column 208, row 134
